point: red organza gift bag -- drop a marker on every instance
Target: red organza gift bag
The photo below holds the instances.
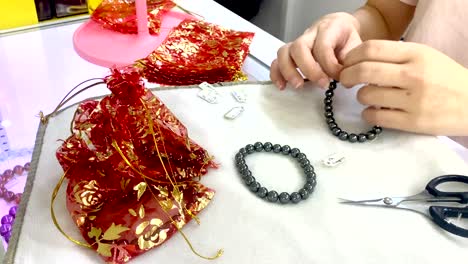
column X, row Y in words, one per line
column 195, row 52
column 132, row 171
column 120, row 15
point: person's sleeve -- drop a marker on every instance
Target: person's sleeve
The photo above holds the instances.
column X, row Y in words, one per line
column 410, row 2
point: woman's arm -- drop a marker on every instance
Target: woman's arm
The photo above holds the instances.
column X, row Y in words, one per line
column 383, row 19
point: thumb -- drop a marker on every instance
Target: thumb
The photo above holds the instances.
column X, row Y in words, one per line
column 353, row 41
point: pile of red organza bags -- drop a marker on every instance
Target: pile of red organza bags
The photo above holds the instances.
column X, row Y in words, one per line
column 194, row 52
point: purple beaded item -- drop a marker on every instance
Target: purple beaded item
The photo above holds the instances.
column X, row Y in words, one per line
column 7, row 221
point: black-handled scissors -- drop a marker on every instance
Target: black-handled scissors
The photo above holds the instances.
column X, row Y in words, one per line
column 435, row 204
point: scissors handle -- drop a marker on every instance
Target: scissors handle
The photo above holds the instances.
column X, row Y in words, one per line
column 432, row 187
column 440, row 214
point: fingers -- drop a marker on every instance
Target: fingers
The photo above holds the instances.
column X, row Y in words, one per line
column 276, row 77
column 388, row 118
column 379, row 50
column 379, row 73
column 296, row 58
column 314, row 54
column 387, row 97
column 324, row 52
column 301, row 53
column 288, row 68
column 354, row 40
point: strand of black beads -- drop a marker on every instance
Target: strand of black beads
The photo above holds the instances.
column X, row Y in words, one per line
column 336, row 130
column 272, row 195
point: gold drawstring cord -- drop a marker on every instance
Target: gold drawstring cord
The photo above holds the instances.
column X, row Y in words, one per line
column 220, row 251
column 168, row 159
column 54, row 218
column 45, row 118
column 189, row 12
column 151, row 126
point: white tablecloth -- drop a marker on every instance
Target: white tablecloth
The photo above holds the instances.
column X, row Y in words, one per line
column 250, row 230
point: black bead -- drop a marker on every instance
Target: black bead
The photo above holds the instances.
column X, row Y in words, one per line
column 284, row 198
column 240, row 161
column 309, row 187
column 295, row 197
column 250, row 148
column 352, row 138
column 262, row 192
column 246, row 173
column 304, row 193
column 239, row 156
column 330, row 120
column 249, row 179
column 333, row 84
column 272, row 196
column 303, row 160
column 336, row 131
column 268, row 146
column 254, row 186
column 285, row 149
column 243, row 151
column 328, row 114
column 332, row 125
column 258, row 146
column 370, row 135
column 328, row 101
column 295, row 152
column 308, row 169
column 329, row 93
column 328, row 108
column 243, row 167
column 301, row 156
column 312, row 181
column 277, row 148
column 343, row 135
column 305, row 163
column 310, row 176
column 362, row 138
column 377, row 130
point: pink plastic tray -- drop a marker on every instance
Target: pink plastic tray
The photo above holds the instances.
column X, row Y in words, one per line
column 109, row 49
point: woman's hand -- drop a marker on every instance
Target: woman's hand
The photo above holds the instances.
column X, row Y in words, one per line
column 318, row 53
column 412, row 87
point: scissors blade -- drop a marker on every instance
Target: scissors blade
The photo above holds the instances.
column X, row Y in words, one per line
column 374, row 202
column 422, row 197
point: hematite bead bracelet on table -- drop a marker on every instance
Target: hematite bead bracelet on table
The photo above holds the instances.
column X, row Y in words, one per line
column 336, row 130
column 271, row 195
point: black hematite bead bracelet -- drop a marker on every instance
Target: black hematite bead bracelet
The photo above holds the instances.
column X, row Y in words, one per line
column 273, row 196
column 336, row 130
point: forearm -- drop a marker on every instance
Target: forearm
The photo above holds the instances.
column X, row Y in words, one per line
column 383, row 19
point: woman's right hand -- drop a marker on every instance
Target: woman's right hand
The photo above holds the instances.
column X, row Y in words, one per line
column 318, row 53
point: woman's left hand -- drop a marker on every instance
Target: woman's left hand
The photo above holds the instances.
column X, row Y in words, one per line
column 412, row 87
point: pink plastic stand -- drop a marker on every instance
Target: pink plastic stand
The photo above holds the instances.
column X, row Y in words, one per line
column 109, row 48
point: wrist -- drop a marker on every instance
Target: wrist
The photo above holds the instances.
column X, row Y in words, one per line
column 370, row 24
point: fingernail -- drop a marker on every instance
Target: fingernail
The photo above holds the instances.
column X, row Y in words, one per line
column 296, row 83
column 280, row 85
column 323, row 83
